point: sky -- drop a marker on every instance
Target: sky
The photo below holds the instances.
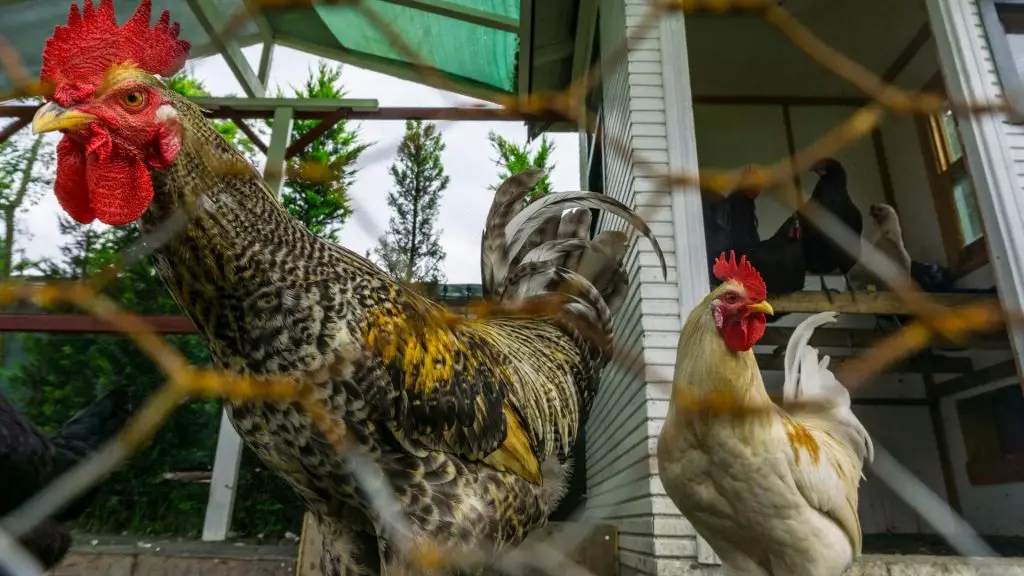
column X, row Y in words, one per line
column 468, row 160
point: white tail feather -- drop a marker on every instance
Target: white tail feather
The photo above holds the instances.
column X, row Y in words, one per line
column 809, row 379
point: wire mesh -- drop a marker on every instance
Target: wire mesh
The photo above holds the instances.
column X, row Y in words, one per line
column 183, row 381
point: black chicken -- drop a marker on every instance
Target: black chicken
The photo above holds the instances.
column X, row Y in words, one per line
column 31, row 459
column 824, row 256
column 730, row 223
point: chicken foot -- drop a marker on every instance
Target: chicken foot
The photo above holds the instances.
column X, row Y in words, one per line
column 828, row 291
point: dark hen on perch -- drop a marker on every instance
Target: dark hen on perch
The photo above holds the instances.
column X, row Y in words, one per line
column 31, row 459
column 823, row 255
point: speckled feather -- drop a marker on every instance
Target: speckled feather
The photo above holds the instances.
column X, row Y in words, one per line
column 471, row 421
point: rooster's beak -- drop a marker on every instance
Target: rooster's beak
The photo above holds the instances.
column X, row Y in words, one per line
column 53, row 116
column 763, row 307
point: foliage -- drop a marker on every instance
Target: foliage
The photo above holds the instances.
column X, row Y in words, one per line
column 411, row 250
column 59, row 374
column 324, row 206
column 513, row 158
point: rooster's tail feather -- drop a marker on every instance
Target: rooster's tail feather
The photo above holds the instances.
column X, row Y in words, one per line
column 544, row 247
column 809, row 379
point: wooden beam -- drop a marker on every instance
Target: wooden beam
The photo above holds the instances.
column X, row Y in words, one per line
column 907, row 53
column 744, row 100
column 83, row 323
column 525, row 32
column 212, row 20
column 887, row 402
column 787, row 121
column 866, row 303
column 940, row 364
column 13, row 128
column 223, row 108
column 888, row 190
column 317, row 131
column 987, row 375
column 939, row 431
column 829, row 337
column 250, row 133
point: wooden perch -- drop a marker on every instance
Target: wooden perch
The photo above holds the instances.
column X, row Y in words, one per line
column 200, row 477
column 938, row 364
column 987, row 375
column 830, row 337
column 866, row 303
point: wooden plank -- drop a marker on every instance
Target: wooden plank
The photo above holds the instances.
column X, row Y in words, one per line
column 865, row 303
column 83, row 323
column 941, row 439
column 786, row 100
column 997, row 371
column 597, row 552
column 310, row 545
column 940, row 364
column 827, row 337
column 222, row 108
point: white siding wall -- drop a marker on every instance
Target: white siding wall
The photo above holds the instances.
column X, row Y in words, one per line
column 995, row 152
column 622, row 483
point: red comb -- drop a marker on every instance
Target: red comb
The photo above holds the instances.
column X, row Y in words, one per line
column 742, row 272
column 82, row 51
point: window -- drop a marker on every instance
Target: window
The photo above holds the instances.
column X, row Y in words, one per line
column 963, row 234
column 992, row 424
column 1003, row 22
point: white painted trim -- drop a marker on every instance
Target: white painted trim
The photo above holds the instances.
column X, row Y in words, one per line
column 687, row 211
column 280, row 137
column 221, row 503
column 965, row 65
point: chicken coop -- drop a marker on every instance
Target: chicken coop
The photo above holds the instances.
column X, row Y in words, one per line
column 714, row 90
column 700, row 91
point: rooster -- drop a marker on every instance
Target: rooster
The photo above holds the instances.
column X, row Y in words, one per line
column 31, row 459
column 469, row 422
column 773, row 490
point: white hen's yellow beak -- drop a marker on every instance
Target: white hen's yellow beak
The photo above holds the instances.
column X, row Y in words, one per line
column 52, row 116
column 763, row 307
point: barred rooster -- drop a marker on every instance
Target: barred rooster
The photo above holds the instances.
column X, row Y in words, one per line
column 470, row 422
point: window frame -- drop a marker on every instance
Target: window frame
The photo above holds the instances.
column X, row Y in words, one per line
column 996, row 33
column 962, row 258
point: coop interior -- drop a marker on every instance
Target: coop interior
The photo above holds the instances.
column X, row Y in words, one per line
column 954, row 414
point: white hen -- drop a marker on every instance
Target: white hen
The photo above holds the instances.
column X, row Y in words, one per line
column 774, row 493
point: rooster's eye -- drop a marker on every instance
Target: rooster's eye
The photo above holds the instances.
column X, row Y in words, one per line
column 134, row 99
column 731, row 298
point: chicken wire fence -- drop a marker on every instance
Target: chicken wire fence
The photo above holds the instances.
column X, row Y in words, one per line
column 932, row 320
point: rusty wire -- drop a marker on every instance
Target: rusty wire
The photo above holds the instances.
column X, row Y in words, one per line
column 183, row 380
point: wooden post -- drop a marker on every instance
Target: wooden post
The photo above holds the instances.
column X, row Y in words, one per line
column 939, row 429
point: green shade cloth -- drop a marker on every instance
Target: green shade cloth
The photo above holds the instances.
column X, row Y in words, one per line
column 453, row 47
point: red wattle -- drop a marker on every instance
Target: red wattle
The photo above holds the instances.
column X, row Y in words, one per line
column 71, row 185
column 120, row 188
